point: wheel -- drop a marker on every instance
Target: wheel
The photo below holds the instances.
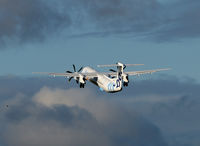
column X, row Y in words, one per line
column 125, row 84
column 82, row 85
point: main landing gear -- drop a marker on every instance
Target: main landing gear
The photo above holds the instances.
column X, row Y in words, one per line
column 125, row 84
column 82, row 85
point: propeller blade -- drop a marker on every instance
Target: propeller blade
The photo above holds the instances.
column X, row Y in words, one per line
column 74, row 68
column 113, row 70
column 80, row 69
column 124, row 66
column 68, row 72
column 70, row 79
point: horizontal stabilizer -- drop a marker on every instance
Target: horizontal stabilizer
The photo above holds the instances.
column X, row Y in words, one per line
column 115, row 65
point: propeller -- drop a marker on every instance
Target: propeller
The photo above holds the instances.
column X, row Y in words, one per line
column 74, row 67
column 124, row 67
column 80, row 69
column 112, row 70
column 70, row 79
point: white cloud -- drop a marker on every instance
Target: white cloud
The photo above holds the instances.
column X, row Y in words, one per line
column 75, row 117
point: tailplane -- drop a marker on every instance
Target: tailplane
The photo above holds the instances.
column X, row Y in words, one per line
column 118, row 64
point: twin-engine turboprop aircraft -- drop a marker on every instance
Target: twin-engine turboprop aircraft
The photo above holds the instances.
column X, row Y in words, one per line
column 107, row 81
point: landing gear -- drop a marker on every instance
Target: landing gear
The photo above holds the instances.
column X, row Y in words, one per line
column 82, row 85
column 125, row 84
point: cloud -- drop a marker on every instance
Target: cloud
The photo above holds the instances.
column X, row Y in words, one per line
column 141, row 19
column 56, row 116
column 181, row 21
column 29, row 20
column 166, row 108
column 117, row 17
column 59, row 125
column 25, row 21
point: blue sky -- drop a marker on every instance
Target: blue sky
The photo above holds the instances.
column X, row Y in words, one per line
column 57, row 55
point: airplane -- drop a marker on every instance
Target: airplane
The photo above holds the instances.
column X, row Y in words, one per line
column 110, row 82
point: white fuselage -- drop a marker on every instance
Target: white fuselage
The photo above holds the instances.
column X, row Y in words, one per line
column 104, row 82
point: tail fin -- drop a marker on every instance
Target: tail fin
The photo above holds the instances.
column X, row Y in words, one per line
column 120, row 67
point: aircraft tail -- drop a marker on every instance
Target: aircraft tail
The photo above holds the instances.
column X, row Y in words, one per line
column 117, row 64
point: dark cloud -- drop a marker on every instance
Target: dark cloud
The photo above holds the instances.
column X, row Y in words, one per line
column 125, row 15
column 181, row 22
column 165, row 85
column 135, row 18
column 118, row 17
column 11, row 86
column 29, row 20
column 33, row 20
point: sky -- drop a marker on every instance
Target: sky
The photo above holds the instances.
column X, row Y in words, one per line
column 51, row 35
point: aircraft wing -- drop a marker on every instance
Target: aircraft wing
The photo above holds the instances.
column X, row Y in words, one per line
column 133, row 73
column 91, row 75
column 67, row 74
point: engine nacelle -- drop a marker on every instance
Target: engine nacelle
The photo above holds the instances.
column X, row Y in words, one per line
column 125, row 79
column 82, row 81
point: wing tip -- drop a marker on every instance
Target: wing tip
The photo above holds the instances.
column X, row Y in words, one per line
column 167, row 68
